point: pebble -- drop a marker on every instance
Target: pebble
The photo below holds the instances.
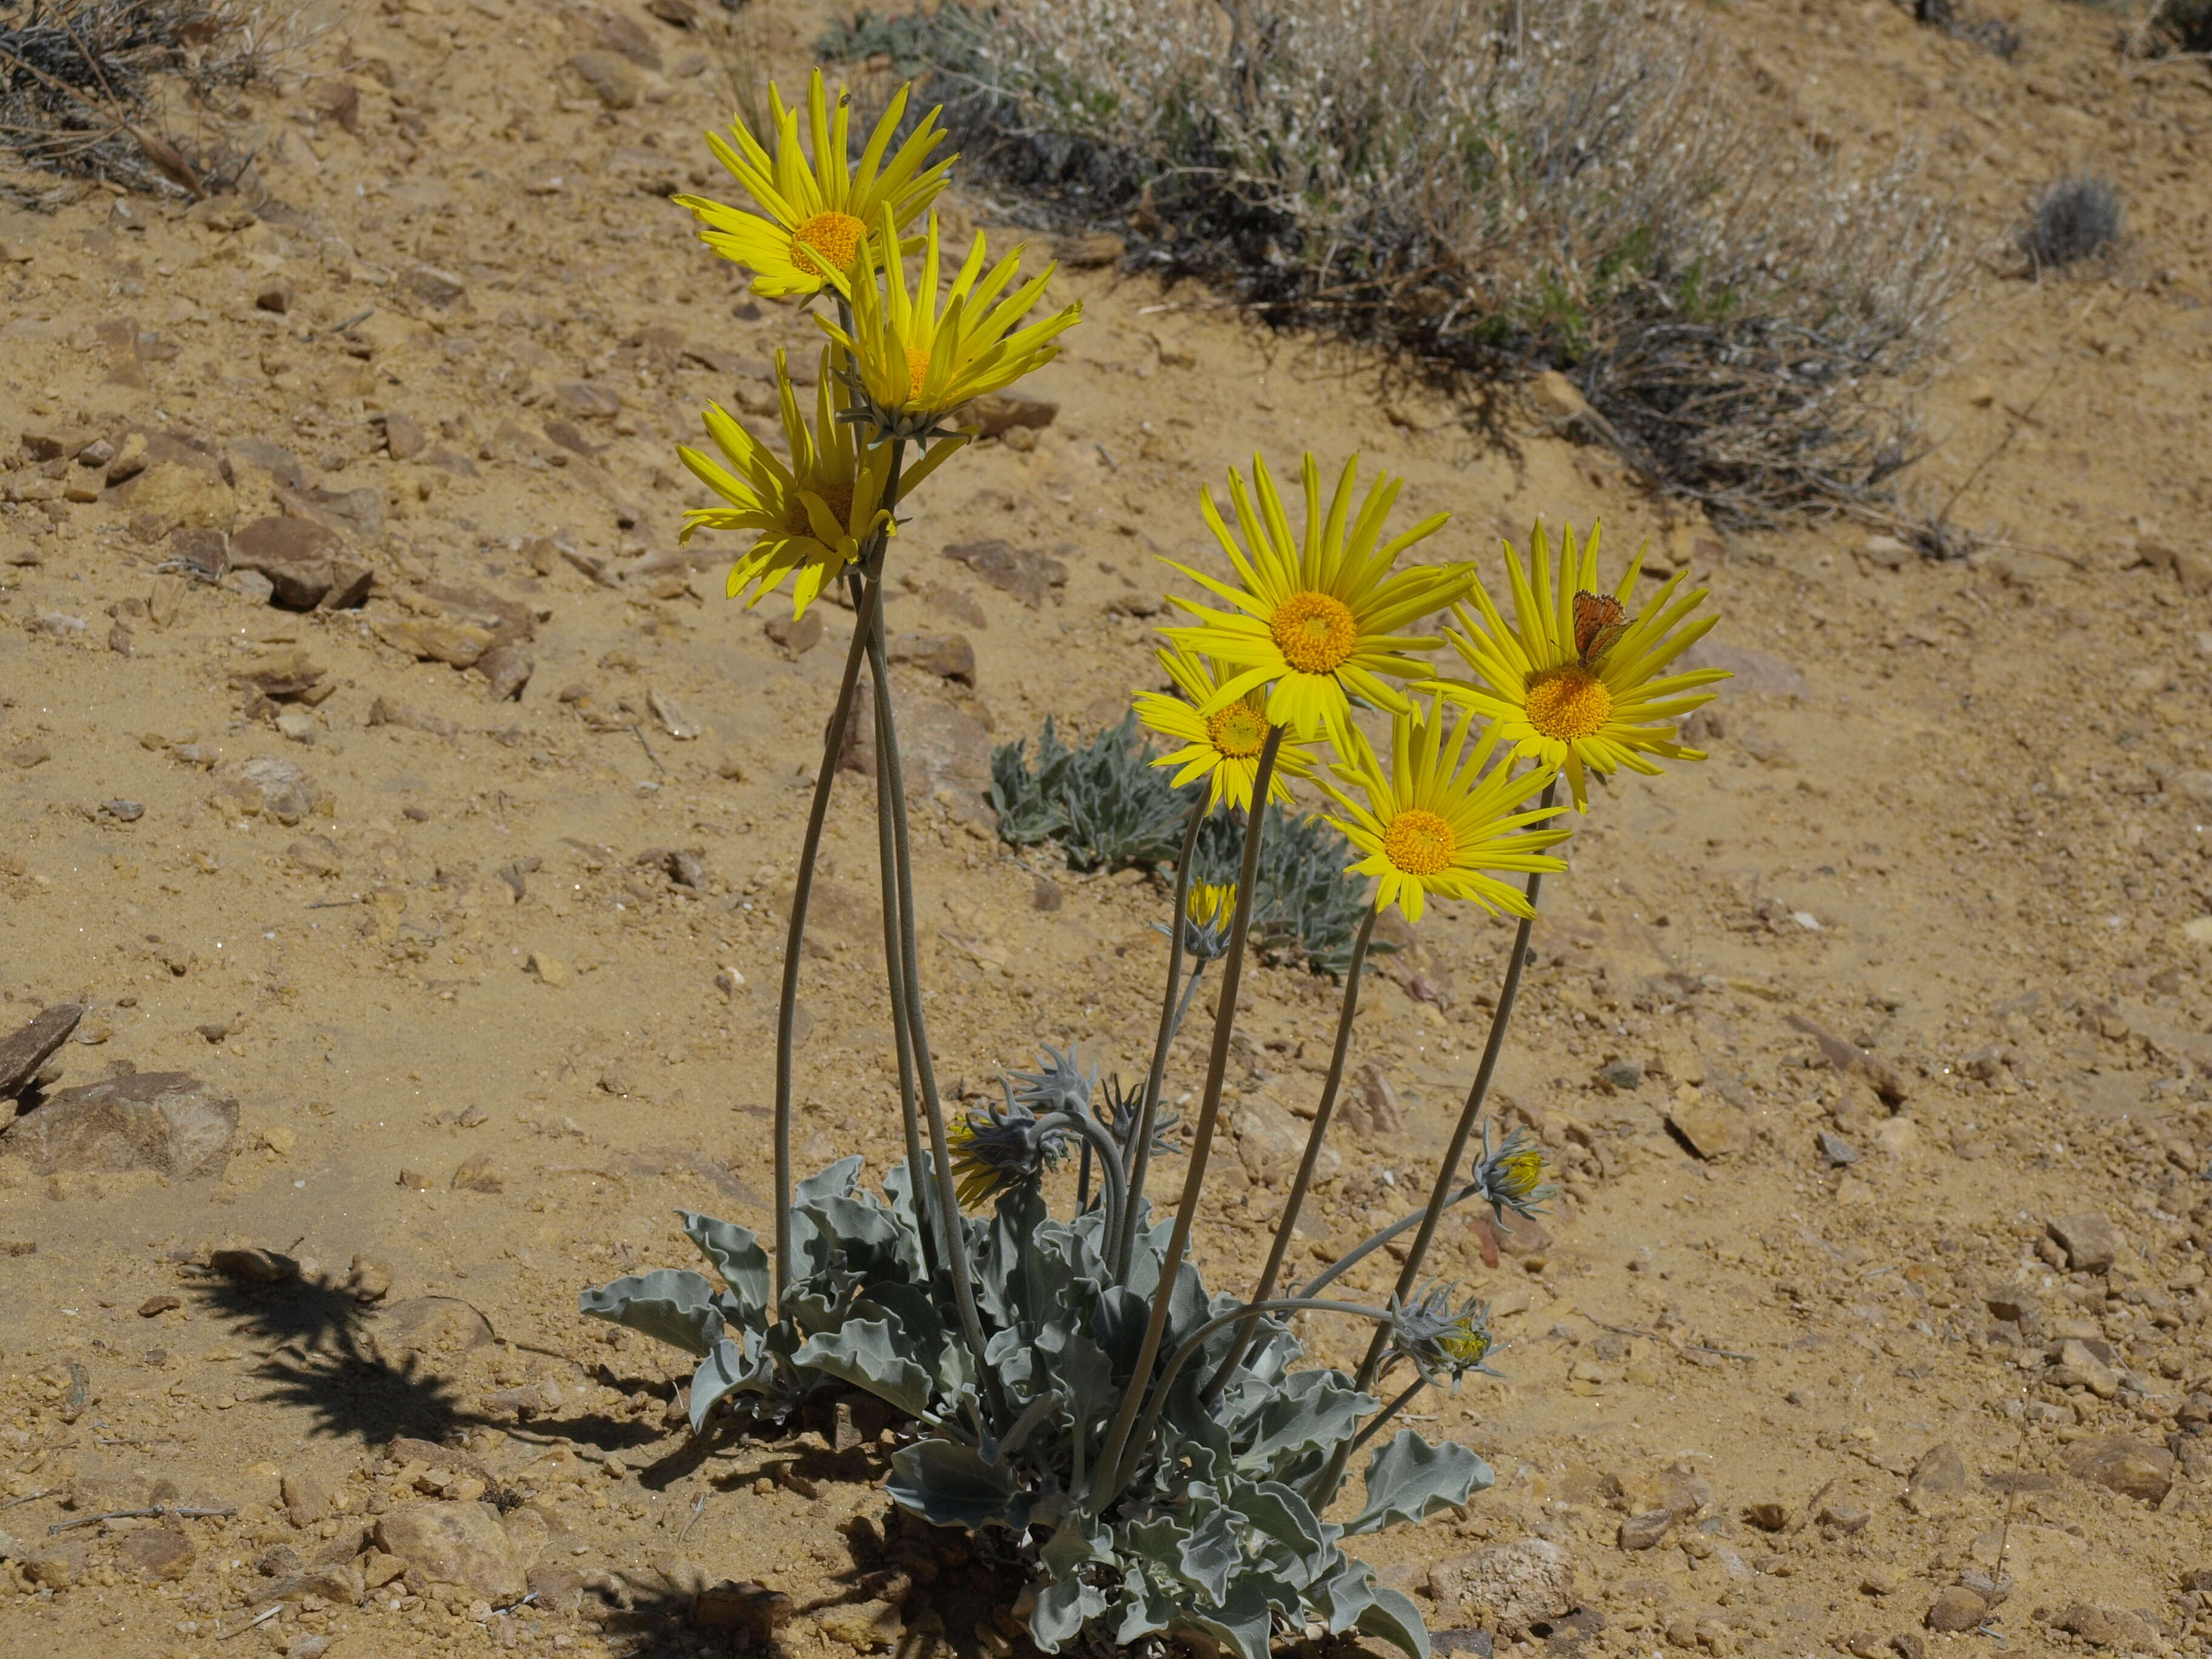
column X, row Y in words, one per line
column 550, row 971
column 1644, row 1531
column 2088, row 1240
column 1956, row 1608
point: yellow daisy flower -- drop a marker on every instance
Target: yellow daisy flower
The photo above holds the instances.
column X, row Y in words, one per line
column 1318, row 622
column 1223, row 746
column 918, row 364
column 1575, row 683
column 1210, row 904
column 820, row 208
column 1439, row 823
column 810, row 518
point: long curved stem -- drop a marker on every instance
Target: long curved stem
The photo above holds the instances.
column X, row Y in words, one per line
column 1374, row 1241
column 887, row 865
column 948, row 1195
column 1314, row 1138
column 1140, row 1142
column 1209, row 1115
column 810, row 851
column 1096, row 1140
column 1471, row 1114
column 1156, row 1403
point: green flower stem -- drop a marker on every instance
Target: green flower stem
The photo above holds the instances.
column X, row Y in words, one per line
column 1470, row 1114
column 1149, row 1423
column 948, row 1195
column 1096, row 1140
column 810, row 850
column 887, row 863
column 1110, row 1456
column 1140, row 1142
column 1374, row 1241
column 1314, row 1138
column 1375, row 1423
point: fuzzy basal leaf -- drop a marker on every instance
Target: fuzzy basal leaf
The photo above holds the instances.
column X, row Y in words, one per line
column 866, row 1352
column 1409, row 1479
column 724, row 1371
column 1392, row 1617
column 1070, row 1601
column 737, row 1256
column 669, row 1304
column 949, row 1485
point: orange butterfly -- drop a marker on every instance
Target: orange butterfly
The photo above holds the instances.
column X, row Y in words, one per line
column 1599, row 622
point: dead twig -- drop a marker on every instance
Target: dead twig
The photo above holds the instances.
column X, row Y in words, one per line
column 30, row 1498
column 254, row 1623
column 158, row 1511
column 698, row 1507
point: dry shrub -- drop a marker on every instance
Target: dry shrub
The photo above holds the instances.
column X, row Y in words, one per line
column 1494, row 187
column 2073, row 220
column 78, row 83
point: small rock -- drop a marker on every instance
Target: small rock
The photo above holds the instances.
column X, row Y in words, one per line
column 1767, row 1516
column 476, row 1174
column 434, row 286
column 618, row 83
column 583, row 398
column 1941, row 1472
column 1045, row 895
column 368, row 1279
column 948, row 656
column 305, row 1503
column 1621, row 1074
column 1840, row 1154
column 461, row 1545
column 1509, row 1586
column 1378, row 1101
column 1887, row 552
column 283, row 674
column 23, row 1051
column 2075, row 1365
column 390, row 711
column 296, row 726
column 1957, row 1608
column 403, row 438
column 1027, row 574
column 169, row 493
column 274, row 296
column 29, row 753
column 1642, row 1531
column 998, row 412
column 749, row 1607
column 1270, row 1143
column 2121, row 1463
column 2101, row 1627
column 1846, row 1520
column 506, row 669
column 158, row 1552
column 550, row 969
column 1090, row 250
column 122, row 811
column 316, row 855
column 153, row 1305
column 431, row 1324
column 166, row 1122
column 434, row 638
column 2090, row 1244
column 673, row 720
column 1713, row 1128
column 249, row 1265
column 796, row 634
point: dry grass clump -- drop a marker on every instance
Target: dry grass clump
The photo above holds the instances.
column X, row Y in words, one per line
column 2073, row 220
column 1493, row 186
column 78, row 81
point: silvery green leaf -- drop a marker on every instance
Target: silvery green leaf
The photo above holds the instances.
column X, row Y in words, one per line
column 1117, row 1326
column 1342, row 1594
column 1409, row 1479
column 737, row 1256
column 1245, row 1619
column 1303, row 1544
column 1081, row 1370
column 1210, row 1552
column 949, row 1485
column 670, row 1304
column 865, row 1353
column 1145, row 1608
column 1068, row 1601
column 1392, row 1617
column 837, row 1181
column 1158, row 1540
column 724, row 1370
column 866, row 1238
column 1308, row 1411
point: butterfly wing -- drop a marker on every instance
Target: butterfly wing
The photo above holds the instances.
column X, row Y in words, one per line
column 1599, row 621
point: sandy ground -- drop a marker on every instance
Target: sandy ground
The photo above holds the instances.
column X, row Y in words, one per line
column 490, row 980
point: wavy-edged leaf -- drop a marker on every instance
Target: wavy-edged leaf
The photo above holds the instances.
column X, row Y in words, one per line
column 735, row 1253
column 1392, row 1617
column 835, row 1180
column 1209, row 1554
column 1307, row 1412
column 949, row 1485
column 1068, row 1601
column 866, row 1352
column 669, row 1304
column 1245, row 1619
column 1409, row 1479
column 724, row 1370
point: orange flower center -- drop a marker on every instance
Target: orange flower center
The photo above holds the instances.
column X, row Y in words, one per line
column 1419, row 843
column 1568, row 703
column 835, row 237
column 1316, row 633
column 1238, row 731
column 836, row 494
column 917, row 369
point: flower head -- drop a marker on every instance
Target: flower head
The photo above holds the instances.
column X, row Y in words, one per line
column 1513, row 1177
column 1119, row 1110
column 1315, row 621
column 809, row 517
column 1059, row 1085
column 994, row 1152
column 915, row 363
column 1207, row 910
column 1575, row 683
column 1223, row 746
column 820, row 208
column 1443, row 1343
column 1437, row 822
